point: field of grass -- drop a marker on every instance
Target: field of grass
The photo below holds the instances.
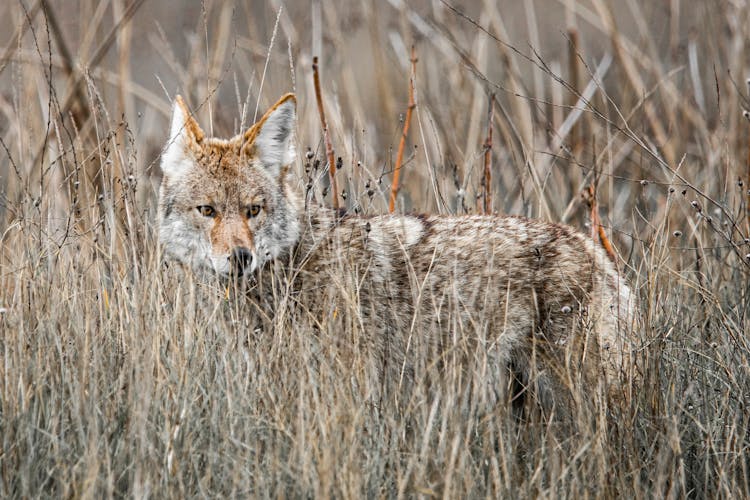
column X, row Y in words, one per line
column 121, row 375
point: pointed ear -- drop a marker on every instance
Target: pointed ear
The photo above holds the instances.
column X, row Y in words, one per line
column 184, row 135
column 272, row 138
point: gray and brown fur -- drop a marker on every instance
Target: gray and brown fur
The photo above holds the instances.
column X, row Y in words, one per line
column 534, row 298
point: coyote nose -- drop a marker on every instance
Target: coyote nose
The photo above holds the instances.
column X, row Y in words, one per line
column 241, row 259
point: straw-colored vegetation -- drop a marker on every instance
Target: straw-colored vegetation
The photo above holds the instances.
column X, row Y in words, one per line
column 122, row 376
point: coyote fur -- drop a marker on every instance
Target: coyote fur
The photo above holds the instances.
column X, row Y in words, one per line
column 534, row 299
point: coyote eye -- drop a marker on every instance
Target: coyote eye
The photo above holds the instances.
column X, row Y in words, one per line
column 206, row 210
column 253, row 211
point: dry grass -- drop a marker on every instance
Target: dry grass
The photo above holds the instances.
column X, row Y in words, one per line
column 120, row 376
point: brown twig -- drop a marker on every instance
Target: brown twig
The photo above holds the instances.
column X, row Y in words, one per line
column 326, row 135
column 488, row 158
column 592, row 200
column 605, row 242
column 402, row 142
column 597, row 229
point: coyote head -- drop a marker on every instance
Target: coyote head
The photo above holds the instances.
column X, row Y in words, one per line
column 224, row 204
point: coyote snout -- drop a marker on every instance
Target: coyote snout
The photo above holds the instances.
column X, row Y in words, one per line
column 521, row 295
column 232, row 243
column 241, row 261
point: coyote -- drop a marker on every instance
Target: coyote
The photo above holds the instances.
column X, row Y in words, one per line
column 537, row 301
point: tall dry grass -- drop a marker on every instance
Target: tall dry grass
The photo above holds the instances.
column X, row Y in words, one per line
column 123, row 376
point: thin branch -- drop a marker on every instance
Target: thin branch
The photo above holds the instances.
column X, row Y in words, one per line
column 488, row 158
column 326, row 135
column 402, row 142
column 597, row 229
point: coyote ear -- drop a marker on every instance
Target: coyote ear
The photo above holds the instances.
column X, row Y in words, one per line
column 184, row 134
column 271, row 139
